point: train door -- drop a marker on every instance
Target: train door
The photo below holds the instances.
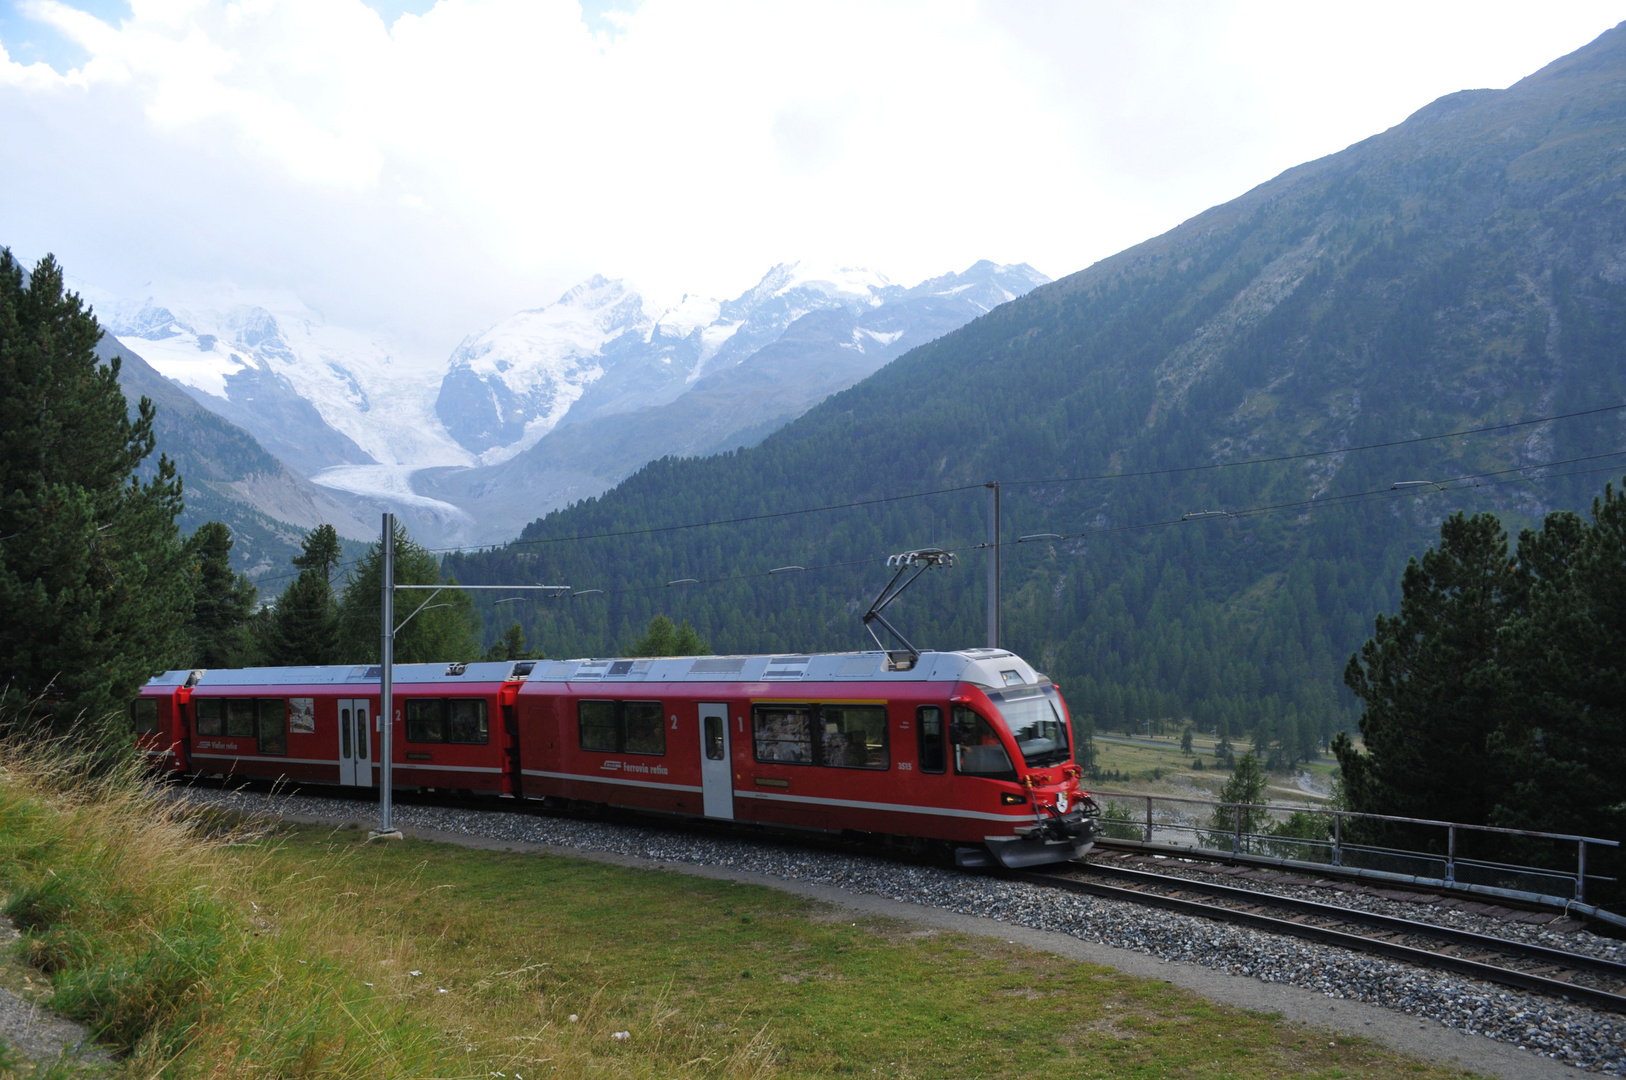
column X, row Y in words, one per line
column 355, row 768
column 716, row 764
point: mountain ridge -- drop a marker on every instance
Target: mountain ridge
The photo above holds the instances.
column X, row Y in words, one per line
column 828, row 345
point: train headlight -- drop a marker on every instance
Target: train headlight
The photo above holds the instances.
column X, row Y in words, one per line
column 1061, row 802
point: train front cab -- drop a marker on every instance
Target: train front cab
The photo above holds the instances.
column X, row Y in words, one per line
column 1013, row 744
column 157, row 719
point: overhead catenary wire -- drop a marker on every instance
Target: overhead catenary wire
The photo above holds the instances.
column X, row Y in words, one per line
column 859, row 503
column 1372, row 495
column 1140, row 474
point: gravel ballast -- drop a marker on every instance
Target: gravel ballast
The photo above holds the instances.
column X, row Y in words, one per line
column 1583, row 1037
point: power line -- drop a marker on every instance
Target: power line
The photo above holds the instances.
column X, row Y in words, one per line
column 1307, row 455
column 1323, row 453
column 736, row 520
column 1375, row 494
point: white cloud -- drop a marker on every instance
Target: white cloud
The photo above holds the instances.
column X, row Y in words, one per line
column 439, row 172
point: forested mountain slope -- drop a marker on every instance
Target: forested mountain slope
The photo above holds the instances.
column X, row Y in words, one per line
column 1465, row 268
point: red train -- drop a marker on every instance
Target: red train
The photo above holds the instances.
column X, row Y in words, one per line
column 971, row 748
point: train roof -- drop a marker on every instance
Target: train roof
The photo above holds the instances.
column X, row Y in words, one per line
column 339, row 675
column 985, row 667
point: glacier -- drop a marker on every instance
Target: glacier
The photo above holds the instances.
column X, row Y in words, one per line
column 549, row 404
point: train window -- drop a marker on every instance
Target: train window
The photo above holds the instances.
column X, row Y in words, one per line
column 645, row 733
column 714, row 738
column 425, row 720
column 273, row 725
column 933, row 740
column 240, row 722
column 144, row 716
column 977, row 749
column 466, row 721
column 1036, row 724
column 784, row 733
column 853, row 736
column 596, row 722
column 622, row 727
column 211, row 715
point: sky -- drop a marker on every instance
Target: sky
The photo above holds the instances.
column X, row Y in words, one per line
column 424, row 169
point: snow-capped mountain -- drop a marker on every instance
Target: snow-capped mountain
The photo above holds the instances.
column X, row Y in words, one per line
column 552, row 403
column 602, row 349
column 760, row 362
column 317, row 396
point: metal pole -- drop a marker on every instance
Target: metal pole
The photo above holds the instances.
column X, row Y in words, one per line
column 1148, row 819
column 386, row 817
column 1236, row 837
column 1451, row 855
column 1338, row 839
column 1580, row 871
column 993, row 565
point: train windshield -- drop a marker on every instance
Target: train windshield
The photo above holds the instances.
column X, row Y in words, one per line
column 1036, row 723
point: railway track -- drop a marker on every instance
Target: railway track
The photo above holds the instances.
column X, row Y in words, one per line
column 1536, row 968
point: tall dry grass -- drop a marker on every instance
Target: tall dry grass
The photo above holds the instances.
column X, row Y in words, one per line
column 134, row 906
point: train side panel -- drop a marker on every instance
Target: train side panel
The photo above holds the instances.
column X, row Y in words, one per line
column 635, row 746
column 450, row 737
column 267, row 731
column 594, row 743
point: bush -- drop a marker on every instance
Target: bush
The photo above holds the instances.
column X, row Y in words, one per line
column 1116, row 823
column 1301, row 825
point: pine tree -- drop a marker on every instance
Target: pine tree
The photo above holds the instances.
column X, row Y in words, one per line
column 1562, row 740
column 664, row 639
column 223, row 602
column 320, row 552
column 1432, row 683
column 446, row 630
column 1246, row 790
column 94, row 581
column 1084, row 751
column 304, row 629
column 511, row 646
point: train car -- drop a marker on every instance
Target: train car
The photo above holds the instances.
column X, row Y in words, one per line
column 970, row 748
column 321, row 724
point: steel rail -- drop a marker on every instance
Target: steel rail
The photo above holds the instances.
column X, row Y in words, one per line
column 1542, row 953
column 1492, row 973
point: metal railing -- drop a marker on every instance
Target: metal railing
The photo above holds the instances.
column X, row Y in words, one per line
column 1243, row 831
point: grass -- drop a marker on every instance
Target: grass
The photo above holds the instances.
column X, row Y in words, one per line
column 138, row 917
column 710, row 976
column 1150, row 765
column 197, row 950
